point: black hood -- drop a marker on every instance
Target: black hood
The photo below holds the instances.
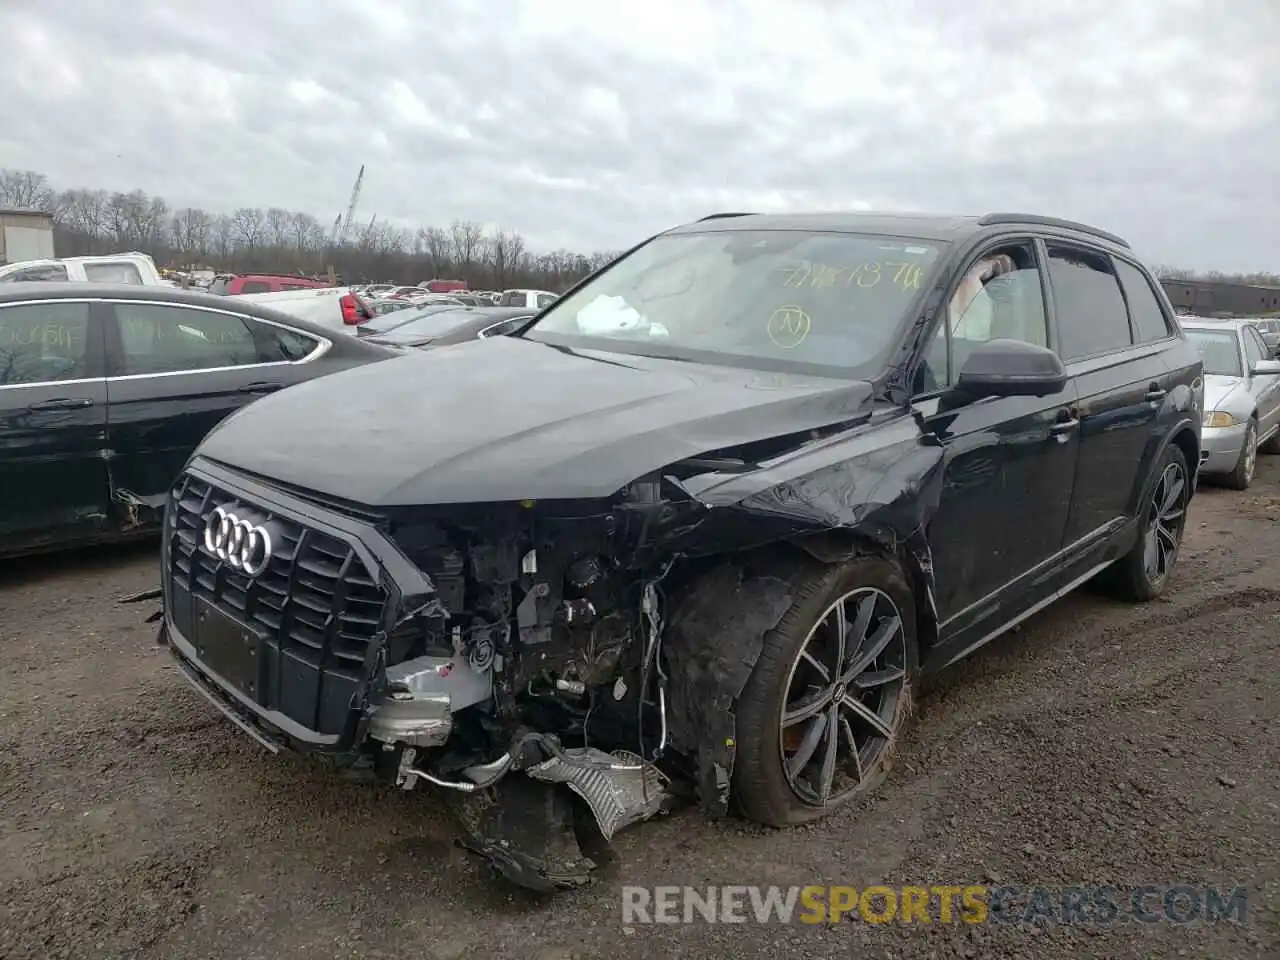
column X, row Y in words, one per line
column 514, row 419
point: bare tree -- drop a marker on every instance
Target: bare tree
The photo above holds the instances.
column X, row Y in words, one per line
column 25, row 190
column 249, row 224
column 190, row 231
column 466, row 237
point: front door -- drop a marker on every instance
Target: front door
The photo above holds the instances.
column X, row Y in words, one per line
column 53, row 425
column 1009, row 463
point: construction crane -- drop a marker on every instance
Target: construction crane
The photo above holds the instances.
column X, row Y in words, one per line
column 344, row 227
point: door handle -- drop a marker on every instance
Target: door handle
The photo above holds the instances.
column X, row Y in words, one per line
column 61, row 403
column 263, row 386
column 1156, row 392
column 1068, row 420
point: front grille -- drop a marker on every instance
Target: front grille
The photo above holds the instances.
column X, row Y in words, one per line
column 316, row 607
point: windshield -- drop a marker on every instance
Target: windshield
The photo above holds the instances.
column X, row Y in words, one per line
column 432, row 325
column 1219, row 350
column 754, row 298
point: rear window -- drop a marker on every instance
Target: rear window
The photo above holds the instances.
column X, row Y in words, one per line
column 122, row 272
column 45, row 271
column 513, row 298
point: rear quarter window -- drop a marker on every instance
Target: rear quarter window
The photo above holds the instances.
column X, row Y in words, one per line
column 255, row 286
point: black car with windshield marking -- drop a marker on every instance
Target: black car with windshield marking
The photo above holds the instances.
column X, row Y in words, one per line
column 106, row 389
column 696, row 529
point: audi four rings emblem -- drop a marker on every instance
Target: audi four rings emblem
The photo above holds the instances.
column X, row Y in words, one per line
column 242, row 545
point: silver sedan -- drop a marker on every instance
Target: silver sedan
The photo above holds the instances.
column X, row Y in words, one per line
column 1241, row 399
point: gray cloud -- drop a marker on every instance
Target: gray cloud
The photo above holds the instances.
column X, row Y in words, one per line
column 592, row 125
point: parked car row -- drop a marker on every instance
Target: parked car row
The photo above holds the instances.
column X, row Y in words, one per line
column 1242, row 398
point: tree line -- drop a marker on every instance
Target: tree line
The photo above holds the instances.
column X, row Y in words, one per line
column 89, row 221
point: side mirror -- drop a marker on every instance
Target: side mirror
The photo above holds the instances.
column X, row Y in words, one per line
column 1266, row 368
column 1011, row 368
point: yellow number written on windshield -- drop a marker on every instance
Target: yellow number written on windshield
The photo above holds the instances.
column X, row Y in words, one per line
column 901, row 274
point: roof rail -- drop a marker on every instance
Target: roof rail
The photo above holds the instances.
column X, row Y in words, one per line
column 722, row 216
column 993, row 219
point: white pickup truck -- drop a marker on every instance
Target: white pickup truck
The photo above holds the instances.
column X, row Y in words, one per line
column 335, row 308
column 136, row 268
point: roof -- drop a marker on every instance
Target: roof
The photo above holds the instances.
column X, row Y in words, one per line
column 15, row 212
column 1209, row 323
column 942, row 228
column 49, row 290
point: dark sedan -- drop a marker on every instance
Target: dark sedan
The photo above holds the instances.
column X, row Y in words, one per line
column 438, row 329
column 382, row 322
column 106, row 389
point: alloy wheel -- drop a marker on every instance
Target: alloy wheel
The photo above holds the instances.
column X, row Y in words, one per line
column 842, row 697
column 1165, row 517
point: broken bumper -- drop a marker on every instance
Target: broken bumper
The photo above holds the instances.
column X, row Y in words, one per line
column 297, row 651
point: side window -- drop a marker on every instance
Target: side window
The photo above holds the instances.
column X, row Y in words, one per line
column 122, row 272
column 1000, row 296
column 43, row 342
column 255, row 286
column 163, row 338
column 545, row 300
column 46, row 271
column 1086, row 294
column 1148, row 319
column 277, row 344
column 1254, row 350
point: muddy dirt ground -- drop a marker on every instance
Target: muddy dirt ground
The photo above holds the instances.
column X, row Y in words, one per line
column 1101, row 743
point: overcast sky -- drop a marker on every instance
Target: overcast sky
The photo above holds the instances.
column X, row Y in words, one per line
column 593, row 124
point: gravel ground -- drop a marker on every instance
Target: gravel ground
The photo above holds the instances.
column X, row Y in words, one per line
column 1101, row 743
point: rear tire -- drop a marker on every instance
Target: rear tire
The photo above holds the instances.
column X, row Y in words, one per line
column 1143, row 572
column 1242, row 476
column 836, row 700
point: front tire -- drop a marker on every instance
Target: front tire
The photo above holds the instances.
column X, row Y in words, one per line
column 1242, row 476
column 1143, row 572
column 823, row 709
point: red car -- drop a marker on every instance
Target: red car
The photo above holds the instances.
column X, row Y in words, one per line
column 444, row 286
column 232, row 284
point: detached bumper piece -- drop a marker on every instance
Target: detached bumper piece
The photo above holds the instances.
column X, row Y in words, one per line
column 533, row 832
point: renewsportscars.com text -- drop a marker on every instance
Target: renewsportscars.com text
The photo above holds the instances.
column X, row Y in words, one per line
column 970, row 904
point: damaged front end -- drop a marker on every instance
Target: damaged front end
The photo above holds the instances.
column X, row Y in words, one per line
column 538, row 653
column 560, row 669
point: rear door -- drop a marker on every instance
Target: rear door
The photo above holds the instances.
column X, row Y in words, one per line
column 1122, row 382
column 174, row 372
column 53, row 424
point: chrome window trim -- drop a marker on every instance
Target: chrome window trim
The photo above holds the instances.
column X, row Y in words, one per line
column 483, row 333
column 322, row 347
